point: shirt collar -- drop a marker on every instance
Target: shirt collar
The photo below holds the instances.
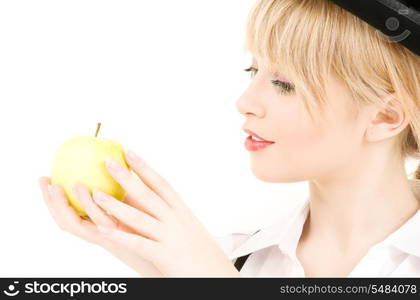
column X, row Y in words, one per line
column 285, row 233
column 406, row 237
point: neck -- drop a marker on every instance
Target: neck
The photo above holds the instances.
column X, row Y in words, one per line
column 360, row 208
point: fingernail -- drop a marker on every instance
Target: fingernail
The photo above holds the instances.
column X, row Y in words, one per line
column 113, row 164
column 133, row 156
column 99, row 196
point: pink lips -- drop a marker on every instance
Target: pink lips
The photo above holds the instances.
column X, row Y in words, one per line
column 254, row 134
column 253, row 145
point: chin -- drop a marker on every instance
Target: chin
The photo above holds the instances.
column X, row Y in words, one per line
column 272, row 176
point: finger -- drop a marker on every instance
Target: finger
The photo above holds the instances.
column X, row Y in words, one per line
column 143, row 223
column 129, row 200
column 44, row 183
column 153, row 180
column 148, row 201
column 139, row 245
column 95, row 213
column 159, row 185
column 68, row 219
column 91, row 230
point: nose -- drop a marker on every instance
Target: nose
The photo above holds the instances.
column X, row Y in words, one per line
column 248, row 104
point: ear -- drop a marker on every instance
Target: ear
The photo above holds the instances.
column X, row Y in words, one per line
column 386, row 120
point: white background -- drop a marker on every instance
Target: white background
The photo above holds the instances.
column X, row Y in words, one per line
column 163, row 78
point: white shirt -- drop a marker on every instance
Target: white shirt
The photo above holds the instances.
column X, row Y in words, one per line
column 273, row 250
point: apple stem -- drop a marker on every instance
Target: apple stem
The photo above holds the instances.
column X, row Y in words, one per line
column 98, row 126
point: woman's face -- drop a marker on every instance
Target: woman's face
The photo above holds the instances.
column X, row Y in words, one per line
column 302, row 149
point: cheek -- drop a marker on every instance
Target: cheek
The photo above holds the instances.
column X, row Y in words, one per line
column 297, row 144
column 300, row 145
column 296, row 134
column 307, row 149
column 303, row 150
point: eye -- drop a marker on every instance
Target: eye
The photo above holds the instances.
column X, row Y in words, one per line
column 252, row 70
column 285, row 87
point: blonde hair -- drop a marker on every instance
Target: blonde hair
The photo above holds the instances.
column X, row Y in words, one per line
column 310, row 39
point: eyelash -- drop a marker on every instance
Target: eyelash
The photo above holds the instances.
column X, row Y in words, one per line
column 285, row 87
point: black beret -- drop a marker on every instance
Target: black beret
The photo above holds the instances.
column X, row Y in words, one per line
column 397, row 19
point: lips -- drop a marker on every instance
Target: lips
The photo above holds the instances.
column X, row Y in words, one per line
column 254, row 142
column 253, row 134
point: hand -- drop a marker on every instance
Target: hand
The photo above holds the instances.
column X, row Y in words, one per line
column 156, row 226
column 68, row 220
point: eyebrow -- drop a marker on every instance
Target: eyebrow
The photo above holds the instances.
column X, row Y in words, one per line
column 280, row 76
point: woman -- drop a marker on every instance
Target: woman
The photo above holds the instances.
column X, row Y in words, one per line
column 337, row 105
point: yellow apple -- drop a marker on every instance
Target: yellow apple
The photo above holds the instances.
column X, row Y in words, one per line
column 82, row 160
